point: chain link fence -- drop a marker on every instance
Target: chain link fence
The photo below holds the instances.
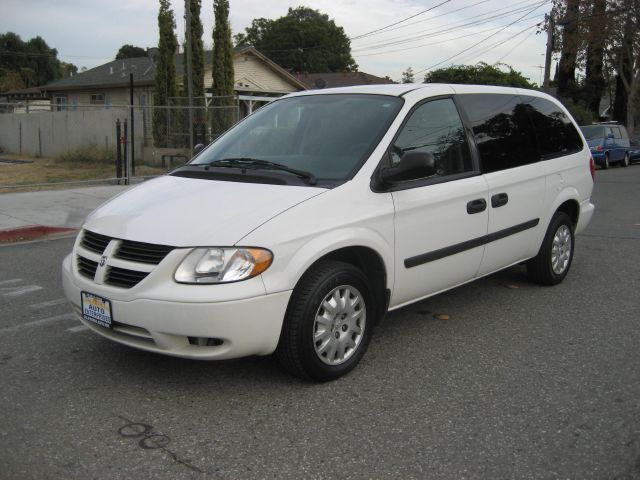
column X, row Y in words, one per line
column 87, row 143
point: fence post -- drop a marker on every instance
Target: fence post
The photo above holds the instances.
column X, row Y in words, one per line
column 126, row 162
column 133, row 143
column 118, row 151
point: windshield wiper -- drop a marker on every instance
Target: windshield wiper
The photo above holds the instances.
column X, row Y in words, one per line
column 254, row 163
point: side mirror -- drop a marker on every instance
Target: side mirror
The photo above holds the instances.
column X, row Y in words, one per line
column 609, row 135
column 198, row 148
column 413, row 165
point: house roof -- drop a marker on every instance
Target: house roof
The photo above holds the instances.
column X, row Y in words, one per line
column 25, row 93
column 116, row 73
column 111, row 74
column 341, row 79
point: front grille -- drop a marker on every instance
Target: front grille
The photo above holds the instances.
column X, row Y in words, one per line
column 122, row 277
column 87, row 267
column 142, row 252
column 94, row 241
column 126, row 275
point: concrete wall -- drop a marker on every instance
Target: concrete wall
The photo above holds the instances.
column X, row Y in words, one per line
column 49, row 134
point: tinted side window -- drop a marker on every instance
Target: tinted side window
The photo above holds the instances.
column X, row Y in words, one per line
column 555, row 132
column 616, row 132
column 502, row 129
column 435, row 128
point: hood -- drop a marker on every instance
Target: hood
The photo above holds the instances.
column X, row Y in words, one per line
column 187, row 212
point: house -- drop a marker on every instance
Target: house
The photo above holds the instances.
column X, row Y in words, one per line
column 24, row 100
column 257, row 79
column 341, row 79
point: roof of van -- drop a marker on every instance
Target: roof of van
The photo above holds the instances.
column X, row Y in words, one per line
column 404, row 88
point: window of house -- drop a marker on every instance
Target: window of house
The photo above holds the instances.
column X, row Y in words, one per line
column 97, row 99
column 60, row 102
column 502, row 129
column 435, row 128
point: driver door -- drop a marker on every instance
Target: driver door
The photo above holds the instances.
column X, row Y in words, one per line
column 440, row 220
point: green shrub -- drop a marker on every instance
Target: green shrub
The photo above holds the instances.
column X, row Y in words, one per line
column 579, row 112
column 89, row 154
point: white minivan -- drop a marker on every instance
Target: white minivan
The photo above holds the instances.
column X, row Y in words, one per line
column 300, row 227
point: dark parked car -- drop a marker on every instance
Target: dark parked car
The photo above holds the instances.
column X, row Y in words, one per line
column 634, row 152
column 609, row 144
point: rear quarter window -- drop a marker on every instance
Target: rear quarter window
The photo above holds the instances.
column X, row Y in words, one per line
column 555, row 132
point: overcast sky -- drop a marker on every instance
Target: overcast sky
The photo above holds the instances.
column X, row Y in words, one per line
column 89, row 32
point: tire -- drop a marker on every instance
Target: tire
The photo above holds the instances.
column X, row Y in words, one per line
column 552, row 263
column 317, row 324
column 625, row 161
column 605, row 164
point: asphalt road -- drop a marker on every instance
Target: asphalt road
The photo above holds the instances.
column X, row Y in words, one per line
column 521, row 382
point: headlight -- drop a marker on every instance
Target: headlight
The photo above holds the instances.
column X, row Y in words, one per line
column 222, row 265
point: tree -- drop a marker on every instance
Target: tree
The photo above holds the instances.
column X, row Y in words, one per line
column 304, row 40
column 594, row 83
column 480, row 74
column 28, row 64
column 223, row 77
column 130, row 51
column 197, row 59
column 165, row 84
column 566, row 84
column 407, row 76
column 626, row 62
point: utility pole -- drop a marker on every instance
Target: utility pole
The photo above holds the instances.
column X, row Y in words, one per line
column 187, row 8
column 549, row 54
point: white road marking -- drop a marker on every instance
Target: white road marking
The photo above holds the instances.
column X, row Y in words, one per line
column 9, row 282
column 77, row 329
column 38, row 323
column 17, row 291
column 50, row 303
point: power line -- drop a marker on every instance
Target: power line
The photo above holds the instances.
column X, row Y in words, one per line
column 434, row 43
column 435, row 16
column 483, row 40
column 404, row 39
column 401, row 21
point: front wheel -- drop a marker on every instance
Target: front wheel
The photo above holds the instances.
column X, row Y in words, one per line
column 328, row 323
column 552, row 263
column 605, row 164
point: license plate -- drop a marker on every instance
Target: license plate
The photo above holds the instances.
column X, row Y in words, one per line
column 96, row 309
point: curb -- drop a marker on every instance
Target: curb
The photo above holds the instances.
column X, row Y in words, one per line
column 32, row 232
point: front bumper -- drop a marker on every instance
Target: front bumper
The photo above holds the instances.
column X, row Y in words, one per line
column 235, row 328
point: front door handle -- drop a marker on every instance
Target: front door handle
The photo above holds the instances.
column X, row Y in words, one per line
column 499, row 199
column 476, row 206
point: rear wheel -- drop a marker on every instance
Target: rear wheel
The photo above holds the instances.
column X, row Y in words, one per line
column 554, row 258
column 625, row 161
column 329, row 322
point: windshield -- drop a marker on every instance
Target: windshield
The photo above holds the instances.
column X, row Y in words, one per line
column 328, row 136
column 593, row 132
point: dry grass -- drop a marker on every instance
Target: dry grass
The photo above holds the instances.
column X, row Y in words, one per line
column 72, row 167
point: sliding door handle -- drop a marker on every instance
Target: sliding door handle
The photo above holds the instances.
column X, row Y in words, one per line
column 499, row 199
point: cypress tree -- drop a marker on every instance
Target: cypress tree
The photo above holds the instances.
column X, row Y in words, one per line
column 223, row 81
column 165, row 87
column 197, row 61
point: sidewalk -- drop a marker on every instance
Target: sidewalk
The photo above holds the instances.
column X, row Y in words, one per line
column 27, row 215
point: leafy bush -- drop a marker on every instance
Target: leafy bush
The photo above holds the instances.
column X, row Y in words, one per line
column 581, row 114
column 89, row 154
